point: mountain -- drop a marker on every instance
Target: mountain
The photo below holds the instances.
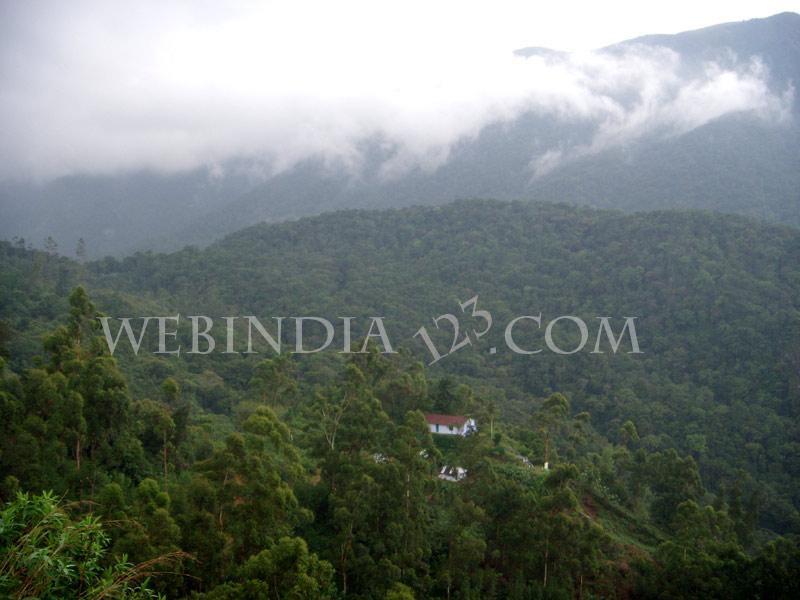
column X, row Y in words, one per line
column 774, row 39
column 715, row 296
column 738, row 160
column 114, row 214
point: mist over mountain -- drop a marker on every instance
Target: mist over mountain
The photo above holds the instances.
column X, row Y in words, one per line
column 703, row 119
column 376, row 301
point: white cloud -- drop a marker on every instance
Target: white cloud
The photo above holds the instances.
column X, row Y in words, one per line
column 96, row 87
column 666, row 101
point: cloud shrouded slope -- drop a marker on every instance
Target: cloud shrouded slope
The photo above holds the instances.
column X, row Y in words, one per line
column 180, row 122
column 88, row 89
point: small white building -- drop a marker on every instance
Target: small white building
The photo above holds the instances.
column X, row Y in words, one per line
column 450, row 424
column 452, row 473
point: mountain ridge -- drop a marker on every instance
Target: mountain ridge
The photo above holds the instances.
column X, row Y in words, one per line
column 732, row 163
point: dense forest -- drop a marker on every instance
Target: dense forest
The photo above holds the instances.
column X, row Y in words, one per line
column 670, row 474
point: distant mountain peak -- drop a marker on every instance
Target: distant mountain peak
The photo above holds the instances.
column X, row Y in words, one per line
column 540, row 51
column 724, row 33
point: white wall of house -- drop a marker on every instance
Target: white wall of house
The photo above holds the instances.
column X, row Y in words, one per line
column 444, row 429
column 468, row 426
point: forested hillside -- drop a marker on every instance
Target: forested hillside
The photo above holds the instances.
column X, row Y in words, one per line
column 672, row 471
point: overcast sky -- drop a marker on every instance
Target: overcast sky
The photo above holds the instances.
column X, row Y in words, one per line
column 103, row 86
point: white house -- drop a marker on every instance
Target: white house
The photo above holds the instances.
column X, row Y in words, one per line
column 450, row 424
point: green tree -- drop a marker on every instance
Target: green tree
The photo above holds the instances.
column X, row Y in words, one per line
column 80, row 250
column 275, row 380
column 550, row 418
column 285, row 570
column 78, row 352
column 157, row 424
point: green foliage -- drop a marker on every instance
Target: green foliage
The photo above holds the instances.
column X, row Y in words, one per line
column 714, row 296
column 274, row 380
column 285, row 570
column 45, row 554
column 313, row 477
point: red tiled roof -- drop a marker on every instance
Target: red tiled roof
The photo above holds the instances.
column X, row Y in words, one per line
column 448, row 420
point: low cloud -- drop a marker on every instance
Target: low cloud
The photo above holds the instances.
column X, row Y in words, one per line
column 92, row 90
column 666, row 101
